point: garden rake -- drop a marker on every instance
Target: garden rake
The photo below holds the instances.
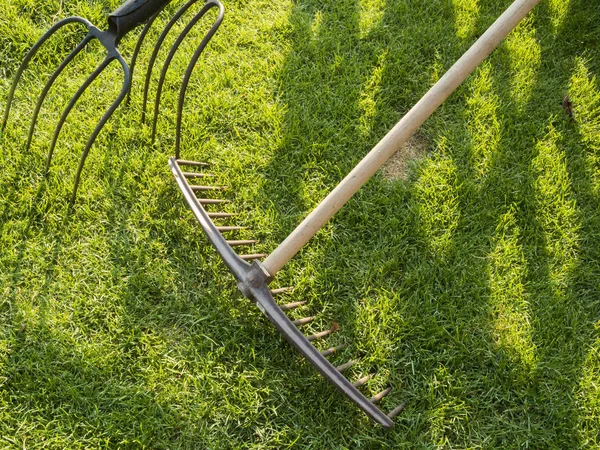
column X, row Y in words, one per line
column 125, row 18
column 253, row 278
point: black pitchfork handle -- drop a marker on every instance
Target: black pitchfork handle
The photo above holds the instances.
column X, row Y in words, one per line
column 133, row 13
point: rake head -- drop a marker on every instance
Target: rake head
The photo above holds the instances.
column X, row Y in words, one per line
column 253, row 282
column 128, row 16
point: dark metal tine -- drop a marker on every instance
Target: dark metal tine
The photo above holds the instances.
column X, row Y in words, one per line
column 292, row 305
column 126, row 86
column 198, row 175
column 219, row 215
column 303, row 321
column 190, row 69
column 363, row 380
column 207, row 188
column 252, row 257
column 231, row 228
column 32, row 53
column 242, row 242
column 397, row 410
column 346, row 365
column 167, row 63
column 332, row 350
column 51, row 81
column 138, row 46
column 377, row 397
column 157, row 46
column 72, row 102
column 185, row 162
column 211, row 201
column 281, row 290
column 322, row 334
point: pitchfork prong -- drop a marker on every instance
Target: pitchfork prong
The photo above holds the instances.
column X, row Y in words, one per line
column 154, row 55
column 138, row 47
column 188, row 73
column 125, row 88
column 51, row 81
column 72, row 102
column 192, row 23
column 32, row 53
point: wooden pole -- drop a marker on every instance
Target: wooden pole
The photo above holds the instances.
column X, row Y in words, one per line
column 399, row 134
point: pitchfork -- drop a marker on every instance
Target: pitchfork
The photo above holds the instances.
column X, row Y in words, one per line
column 128, row 16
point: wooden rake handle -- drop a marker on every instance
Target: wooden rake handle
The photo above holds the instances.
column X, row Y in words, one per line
column 398, row 135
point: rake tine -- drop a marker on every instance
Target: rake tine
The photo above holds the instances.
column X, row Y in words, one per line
column 51, row 81
column 332, row 350
column 198, row 175
column 157, row 46
column 138, row 46
column 303, row 321
column 292, row 305
column 32, row 53
column 72, row 102
column 281, row 290
column 190, row 69
column 242, row 242
column 211, row 201
column 377, row 397
column 335, row 327
column 231, row 228
column 253, row 256
column 207, row 188
column 174, row 48
column 363, row 380
column 346, row 365
column 124, row 89
column 397, row 410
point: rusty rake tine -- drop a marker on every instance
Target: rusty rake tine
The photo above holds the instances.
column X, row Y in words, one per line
column 188, row 73
column 332, row 350
column 163, row 72
column 32, row 53
column 74, row 99
column 138, row 47
column 109, row 112
column 397, row 410
column 377, row 397
column 157, row 46
column 51, row 81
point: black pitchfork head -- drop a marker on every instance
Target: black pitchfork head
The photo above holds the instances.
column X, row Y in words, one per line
column 128, row 16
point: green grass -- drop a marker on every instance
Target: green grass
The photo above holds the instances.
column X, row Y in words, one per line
column 472, row 287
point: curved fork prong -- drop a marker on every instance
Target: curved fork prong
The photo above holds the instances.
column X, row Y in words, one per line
column 72, row 102
column 138, row 46
column 32, row 53
column 50, row 82
column 126, row 87
column 190, row 69
column 157, row 46
column 172, row 52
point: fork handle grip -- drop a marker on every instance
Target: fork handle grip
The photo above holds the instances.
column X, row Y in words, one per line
column 133, row 13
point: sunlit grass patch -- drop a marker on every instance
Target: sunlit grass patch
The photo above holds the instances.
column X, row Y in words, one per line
column 484, row 124
column 466, row 13
column 510, row 307
column 525, row 57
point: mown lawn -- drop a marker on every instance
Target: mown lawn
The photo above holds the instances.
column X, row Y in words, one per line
column 469, row 282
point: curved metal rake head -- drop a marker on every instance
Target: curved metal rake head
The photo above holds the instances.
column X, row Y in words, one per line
column 253, row 282
column 128, row 16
